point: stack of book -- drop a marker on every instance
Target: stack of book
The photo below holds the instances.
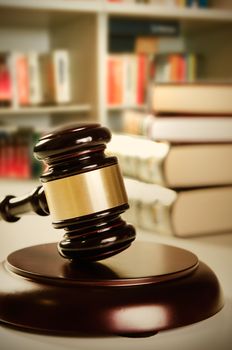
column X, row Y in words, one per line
column 179, row 179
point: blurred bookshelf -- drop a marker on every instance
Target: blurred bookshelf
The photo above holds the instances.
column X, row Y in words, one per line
column 84, row 27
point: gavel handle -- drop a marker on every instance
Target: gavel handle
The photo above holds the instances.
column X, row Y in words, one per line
column 11, row 207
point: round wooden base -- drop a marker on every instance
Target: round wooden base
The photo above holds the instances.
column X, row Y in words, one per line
column 145, row 289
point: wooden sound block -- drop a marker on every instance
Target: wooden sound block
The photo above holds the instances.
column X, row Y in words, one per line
column 145, row 289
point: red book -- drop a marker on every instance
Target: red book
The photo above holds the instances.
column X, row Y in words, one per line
column 22, row 76
column 9, row 157
column 174, row 68
column 2, row 155
column 110, row 65
column 115, row 80
column 142, row 79
column 5, row 80
column 182, row 68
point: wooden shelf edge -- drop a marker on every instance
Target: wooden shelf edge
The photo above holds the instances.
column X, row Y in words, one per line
column 45, row 110
column 122, row 107
column 169, row 12
column 56, row 5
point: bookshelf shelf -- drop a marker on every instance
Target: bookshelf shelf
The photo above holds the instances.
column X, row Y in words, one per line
column 120, row 108
column 54, row 5
column 169, row 12
column 45, row 110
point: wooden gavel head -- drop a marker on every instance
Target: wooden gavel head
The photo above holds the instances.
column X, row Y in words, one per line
column 85, row 192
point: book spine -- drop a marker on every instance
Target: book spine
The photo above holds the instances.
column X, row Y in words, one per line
column 110, row 81
column 176, row 68
column 191, row 67
column 62, row 76
column 127, row 79
column 181, row 3
column 197, row 3
column 34, row 79
column 192, row 3
column 135, row 27
column 21, row 158
column 22, row 76
column 203, row 3
column 3, row 140
column 135, row 123
column 115, row 81
column 47, row 78
column 134, row 75
column 118, row 81
column 5, row 81
column 141, row 81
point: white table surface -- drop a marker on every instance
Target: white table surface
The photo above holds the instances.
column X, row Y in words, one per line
column 214, row 333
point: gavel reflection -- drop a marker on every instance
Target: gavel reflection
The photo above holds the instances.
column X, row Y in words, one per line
column 83, row 191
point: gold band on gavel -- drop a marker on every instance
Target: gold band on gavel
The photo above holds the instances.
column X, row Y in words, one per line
column 85, row 193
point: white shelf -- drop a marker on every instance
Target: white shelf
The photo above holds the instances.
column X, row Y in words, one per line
column 64, row 109
column 54, row 5
column 123, row 107
column 122, row 9
column 168, row 12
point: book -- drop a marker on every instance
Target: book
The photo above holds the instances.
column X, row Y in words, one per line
column 5, row 81
column 35, row 88
column 175, row 67
column 142, row 78
column 133, row 122
column 176, row 129
column 146, row 44
column 192, row 98
column 114, row 80
column 186, row 129
column 119, row 26
column 22, row 79
column 55, row 77
column 182, row 213
column 122, row 44
column 173, row 165
column 167, row 45
column 19, row 75
column 127, row 77
column 197, row 3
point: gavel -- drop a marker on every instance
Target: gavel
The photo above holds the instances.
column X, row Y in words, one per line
column 83, row 191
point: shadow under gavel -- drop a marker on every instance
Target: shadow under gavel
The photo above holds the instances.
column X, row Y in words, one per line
column 83, row 191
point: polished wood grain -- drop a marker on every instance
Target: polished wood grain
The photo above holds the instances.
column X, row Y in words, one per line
column 146, row 289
